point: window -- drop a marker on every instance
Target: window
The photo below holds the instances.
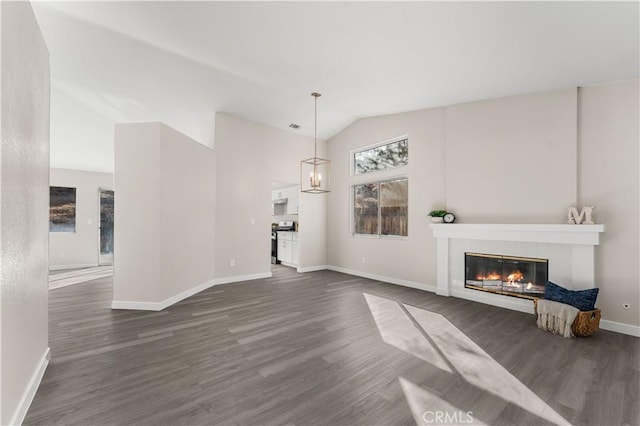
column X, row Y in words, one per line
column 381, row 208
column 382, row 157
column 365, row 213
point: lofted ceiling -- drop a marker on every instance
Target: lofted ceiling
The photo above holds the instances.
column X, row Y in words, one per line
column 181, row 62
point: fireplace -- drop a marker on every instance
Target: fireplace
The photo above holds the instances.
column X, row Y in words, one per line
column 509, row 275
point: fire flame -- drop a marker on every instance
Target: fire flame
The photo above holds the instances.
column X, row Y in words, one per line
column 491, row 276
column 512, row 278
column 515, row 276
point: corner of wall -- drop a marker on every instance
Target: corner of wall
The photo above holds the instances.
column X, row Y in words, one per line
column 24, row 201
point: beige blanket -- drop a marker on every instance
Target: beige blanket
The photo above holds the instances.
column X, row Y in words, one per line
column 556, row 317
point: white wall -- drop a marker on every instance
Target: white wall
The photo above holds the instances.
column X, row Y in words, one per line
column 609, row 179
column 164, row 216
column 543, row 157
column 251, row 156
column 136, row 251
column 412, row 259
column 188, row 209
column 79, row 249
column 24, row 206
column 512, row 159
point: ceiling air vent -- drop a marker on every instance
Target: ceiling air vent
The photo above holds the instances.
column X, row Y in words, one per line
column 294, row 126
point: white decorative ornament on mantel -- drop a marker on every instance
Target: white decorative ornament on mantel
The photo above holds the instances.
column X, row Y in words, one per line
column 582, row 218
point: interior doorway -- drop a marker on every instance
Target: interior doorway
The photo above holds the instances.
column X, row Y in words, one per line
column 284, row 219
column 105, row 256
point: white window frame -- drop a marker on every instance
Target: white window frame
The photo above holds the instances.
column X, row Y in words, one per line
column 352, row 208
column 353, row 152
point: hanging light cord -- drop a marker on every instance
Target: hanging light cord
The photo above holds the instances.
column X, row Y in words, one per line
column 315, row 124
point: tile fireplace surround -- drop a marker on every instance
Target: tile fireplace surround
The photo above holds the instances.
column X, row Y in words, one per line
column 569, row 248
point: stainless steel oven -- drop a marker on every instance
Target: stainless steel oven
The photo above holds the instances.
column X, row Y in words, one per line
column 274, row 247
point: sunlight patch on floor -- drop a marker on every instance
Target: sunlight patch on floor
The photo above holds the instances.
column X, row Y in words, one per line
column 397, row 329
column 432, row 338
column 478, row 367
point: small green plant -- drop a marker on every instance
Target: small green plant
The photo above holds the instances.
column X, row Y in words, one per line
column 437, row 213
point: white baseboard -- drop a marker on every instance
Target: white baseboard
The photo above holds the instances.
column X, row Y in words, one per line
column 32, row 388
column 238, row 278
column 74, row 266
column 618, row 327
column 391, row 280
column 158, row 306
column 136, row 306
column 313, row 268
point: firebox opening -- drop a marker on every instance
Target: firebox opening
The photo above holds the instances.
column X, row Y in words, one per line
column 509, row 275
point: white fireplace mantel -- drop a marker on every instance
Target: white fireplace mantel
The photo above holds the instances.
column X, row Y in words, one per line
column 533, row 233
column 581, row 238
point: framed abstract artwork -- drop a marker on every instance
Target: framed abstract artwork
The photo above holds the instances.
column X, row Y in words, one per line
column 62, row 209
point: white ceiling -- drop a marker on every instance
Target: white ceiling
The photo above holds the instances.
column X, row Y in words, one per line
column 181, row 62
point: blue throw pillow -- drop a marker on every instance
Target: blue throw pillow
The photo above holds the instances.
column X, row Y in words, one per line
column 585, row 300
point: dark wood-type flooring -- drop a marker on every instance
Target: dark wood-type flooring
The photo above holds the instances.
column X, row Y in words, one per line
column 323, row 348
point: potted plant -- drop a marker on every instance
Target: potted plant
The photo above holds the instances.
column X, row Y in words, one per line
column 437, row 215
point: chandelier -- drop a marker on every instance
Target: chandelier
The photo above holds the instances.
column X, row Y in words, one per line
column 315, row 172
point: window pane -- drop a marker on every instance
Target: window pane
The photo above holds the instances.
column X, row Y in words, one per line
column 365, row 211
column 389, row 156
column 394, row 207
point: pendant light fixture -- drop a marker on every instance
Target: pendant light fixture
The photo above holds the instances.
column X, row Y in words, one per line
column 315, row 172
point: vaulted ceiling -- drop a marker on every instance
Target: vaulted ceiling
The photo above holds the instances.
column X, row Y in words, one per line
column 181, row 62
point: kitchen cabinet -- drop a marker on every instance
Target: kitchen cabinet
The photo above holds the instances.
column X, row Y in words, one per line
column 294, row 249
column 288, row 248
column 277, row 193
column 292, row 199
column 278, row 209
column 284, row 251
column 291, row 193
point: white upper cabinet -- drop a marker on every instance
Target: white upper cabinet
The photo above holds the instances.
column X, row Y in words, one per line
column 291, row 193
column 292, row 199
